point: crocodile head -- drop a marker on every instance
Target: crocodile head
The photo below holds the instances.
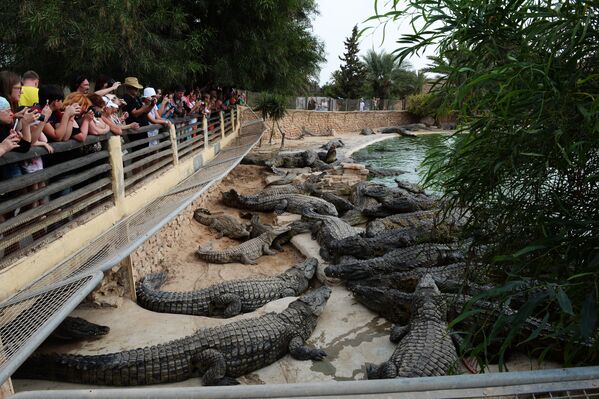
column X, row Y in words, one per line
column 307, row 267
column 273, row 233
column 428, row 302
column 427, row 286
column 313, row 301
column 231, row 198
column 392, row 304
column 348, row 271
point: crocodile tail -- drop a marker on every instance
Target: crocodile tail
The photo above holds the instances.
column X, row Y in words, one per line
column 60, row 367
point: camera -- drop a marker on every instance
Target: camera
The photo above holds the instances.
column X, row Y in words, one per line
column 97, row 114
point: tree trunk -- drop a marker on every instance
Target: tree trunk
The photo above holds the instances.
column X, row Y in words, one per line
column 282, row 135
column 272, row 132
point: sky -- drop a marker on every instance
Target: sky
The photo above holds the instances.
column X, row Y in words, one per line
column 335, row 23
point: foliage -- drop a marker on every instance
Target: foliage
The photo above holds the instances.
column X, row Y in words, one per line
column 386, row 77
column 258, row 45
column 273, row 107
column 419, row 105
column 349, row 79
column 523, row 76
column 165, row 42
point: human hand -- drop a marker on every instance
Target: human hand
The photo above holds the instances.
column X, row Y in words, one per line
column 89, row 115
column 30, row 116
column 134, row 125
column 115, row 85
column 10, row 142
column 47, row 112
column 125, row 115
column 48, row 148
column 72, row 110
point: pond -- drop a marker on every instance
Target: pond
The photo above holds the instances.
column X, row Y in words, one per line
column 404, row 153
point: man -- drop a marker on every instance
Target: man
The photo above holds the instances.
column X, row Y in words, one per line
column 135, row 107
column 80, row 83
column 29, row 89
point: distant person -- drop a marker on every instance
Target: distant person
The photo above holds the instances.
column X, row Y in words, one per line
column 29, row 89
column 311, row 104
column 79, row 84
column 362, row 104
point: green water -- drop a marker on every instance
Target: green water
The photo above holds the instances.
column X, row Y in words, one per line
column 404, row 153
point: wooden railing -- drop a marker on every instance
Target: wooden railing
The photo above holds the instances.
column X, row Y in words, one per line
column 80, row 180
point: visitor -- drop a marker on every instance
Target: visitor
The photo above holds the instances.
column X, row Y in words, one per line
column 79, row 84
column 149, row 96
column 59, row 126
column 29, row 90
column 8, row 132
column 10, row 89
column 105, row 85
column 362, row 104
column 111, row 118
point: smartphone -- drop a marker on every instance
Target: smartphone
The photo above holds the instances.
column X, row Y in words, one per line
column 15, row 125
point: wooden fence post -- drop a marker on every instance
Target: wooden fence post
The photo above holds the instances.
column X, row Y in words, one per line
column 115, row 153
column 233, row 124
column 238, row 119
column 205, row 129
column 222, row 124
column 173, row 135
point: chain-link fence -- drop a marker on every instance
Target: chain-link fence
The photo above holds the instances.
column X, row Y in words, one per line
column 316, row 103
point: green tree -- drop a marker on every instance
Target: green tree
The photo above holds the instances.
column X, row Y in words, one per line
column 273, row 107
column 524, row 78
column 350, row 78
column 388, row 77
column 59, row 39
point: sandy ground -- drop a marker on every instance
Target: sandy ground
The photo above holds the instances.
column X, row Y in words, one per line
column 351, row 334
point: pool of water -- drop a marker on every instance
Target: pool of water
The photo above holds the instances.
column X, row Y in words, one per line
column 404, row 153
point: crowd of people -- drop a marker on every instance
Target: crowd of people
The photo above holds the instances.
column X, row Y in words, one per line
column 38, row 115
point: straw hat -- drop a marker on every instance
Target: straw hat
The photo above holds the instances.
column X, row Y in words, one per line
column 133, row 82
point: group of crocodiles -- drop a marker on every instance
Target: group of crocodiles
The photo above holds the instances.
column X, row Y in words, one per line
column 406, row 265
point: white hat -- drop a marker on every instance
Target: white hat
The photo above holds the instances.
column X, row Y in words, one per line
column 149, row 92
column 109, row 103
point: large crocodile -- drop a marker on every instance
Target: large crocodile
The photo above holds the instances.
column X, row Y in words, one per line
column 425, row 347
column 358, row 197
column 364, row 248
column 76, row 328
column 296, row 227
column 400, row 220
column 398, row 260
column 224, row 225
column 245, row 253
column 219, row 354
column 326, row 229
column 279, row 203
column 228, row 298
column 354, row 217
column 397, row 202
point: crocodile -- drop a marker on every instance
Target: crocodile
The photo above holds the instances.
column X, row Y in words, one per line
column 358, row 197
column 225, row 225
column 354, row 217
column 400, row 220
column 76, row 328
column 375, row 171
column 226, row 299
column 296, row 227
column 294, row 160
column 245, row 253
column 409, row 187
column 368, row 247
column 396, row 200
column 326, row 229
column 407, row 280
column 280, row 203
column 306, row 187
column 219, row 354
column 425, row 347
column 398, row 260
column 341, row 204
column 328, row 156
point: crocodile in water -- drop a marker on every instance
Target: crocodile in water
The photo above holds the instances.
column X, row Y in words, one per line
column 228, row 298
column 219, row 354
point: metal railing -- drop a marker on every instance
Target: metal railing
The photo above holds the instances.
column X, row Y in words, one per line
column 78, row 179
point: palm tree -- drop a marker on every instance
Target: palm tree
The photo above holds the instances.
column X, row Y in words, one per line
column 273, row 106
column 387, row 76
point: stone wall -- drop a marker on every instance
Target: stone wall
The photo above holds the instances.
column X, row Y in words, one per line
column 321, row 122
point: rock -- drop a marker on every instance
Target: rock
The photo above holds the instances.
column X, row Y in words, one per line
column 414, row 126
column 337, row 143
column 428, row 121
column 406, row 132
column 448, row 126
column 366, row 131
column 393, row 129
column 353, row 166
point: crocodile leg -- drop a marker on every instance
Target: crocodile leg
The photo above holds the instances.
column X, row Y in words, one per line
column 384, row 370
column 298, row 350
column 246, row 260
column 214, row 363
column 281, row 206
column 398, row 332
column 266, row 249
column 231, row 303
